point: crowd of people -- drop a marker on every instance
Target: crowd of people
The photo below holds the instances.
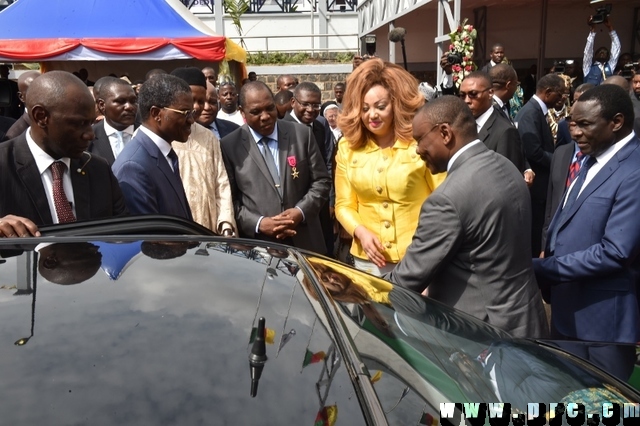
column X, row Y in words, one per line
column 473, row 194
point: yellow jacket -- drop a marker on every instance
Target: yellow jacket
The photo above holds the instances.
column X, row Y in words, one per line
column 382, row 189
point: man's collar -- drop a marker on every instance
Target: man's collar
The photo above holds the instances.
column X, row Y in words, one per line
column 43, row 160
column 542, row 104
column 460, row 151
column 163, row 146
column 498, row 101
column 110, row 130
column 482, row 119
column 257, row 136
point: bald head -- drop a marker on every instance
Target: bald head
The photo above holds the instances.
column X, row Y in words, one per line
column 52, row 90
column 24, row 81
column 62, row 110
column 619, row 81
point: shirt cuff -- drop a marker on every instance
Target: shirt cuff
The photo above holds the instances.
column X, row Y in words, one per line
column 258, row 224
column 304, row 219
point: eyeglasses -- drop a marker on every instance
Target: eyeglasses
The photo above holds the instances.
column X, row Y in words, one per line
column 472, row 94
column 435, row 126
column 189, row 113
column 307, row 105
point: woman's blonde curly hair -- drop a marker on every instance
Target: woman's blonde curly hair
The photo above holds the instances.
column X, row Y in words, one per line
column 403, row 90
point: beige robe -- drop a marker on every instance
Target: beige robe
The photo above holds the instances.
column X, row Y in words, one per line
column 205, row 179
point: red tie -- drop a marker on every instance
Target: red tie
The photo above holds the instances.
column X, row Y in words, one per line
column 574, row 169
column 62, row 204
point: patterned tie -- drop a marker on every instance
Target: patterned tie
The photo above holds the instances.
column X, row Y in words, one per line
column 60, row 200
column 119, row 143
column 574, row 169
column 271, row 164
column 174, row 163
column 563, row 211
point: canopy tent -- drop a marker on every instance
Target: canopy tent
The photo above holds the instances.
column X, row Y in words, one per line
column 108, row 30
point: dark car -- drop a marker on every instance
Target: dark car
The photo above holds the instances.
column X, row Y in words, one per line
column 199, row 330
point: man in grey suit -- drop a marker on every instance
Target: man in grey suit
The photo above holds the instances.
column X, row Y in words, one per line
column 468, row 248
column 278, row 178
column 118, row 103
column 537, row 141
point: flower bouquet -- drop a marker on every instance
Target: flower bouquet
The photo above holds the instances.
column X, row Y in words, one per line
column 462, row 40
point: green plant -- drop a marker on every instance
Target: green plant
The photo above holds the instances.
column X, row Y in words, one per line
column 344, row 57
column 235, row 9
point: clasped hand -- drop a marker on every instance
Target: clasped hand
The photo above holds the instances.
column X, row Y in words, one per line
column 283, row 225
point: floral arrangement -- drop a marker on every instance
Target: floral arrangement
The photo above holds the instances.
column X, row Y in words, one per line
column 462, row 40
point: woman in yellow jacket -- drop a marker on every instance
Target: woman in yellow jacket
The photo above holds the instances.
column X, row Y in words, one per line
column 380, row 181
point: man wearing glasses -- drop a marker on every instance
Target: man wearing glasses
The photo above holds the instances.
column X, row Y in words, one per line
column 148, row 169
column 537, row 141
column 306, row 110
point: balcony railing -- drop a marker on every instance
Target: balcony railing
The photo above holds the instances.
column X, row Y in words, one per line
column 274, row 6
column 345, row 43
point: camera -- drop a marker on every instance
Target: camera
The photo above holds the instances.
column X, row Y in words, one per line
column 629, row 70
column 601, row 14
column 454, row 58
column 370, row 44
column 558, row 67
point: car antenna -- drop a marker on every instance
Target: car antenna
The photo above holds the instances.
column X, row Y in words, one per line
column 258, row 356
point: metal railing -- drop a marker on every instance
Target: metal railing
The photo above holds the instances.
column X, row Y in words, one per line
column 312, row 41
column 280, row 6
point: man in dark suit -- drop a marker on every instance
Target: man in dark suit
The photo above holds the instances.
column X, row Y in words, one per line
column 279, row 181
column 467, row 249
column 47, row 177
column 592, row 263
column 209, row 115
column 496, row 55
column 537, row 140
column 22, row 123
column 118, row 103
column 494, row 130
column 306, row 106
column 147, row 168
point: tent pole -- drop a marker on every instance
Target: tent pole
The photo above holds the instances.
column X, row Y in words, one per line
column 543, row 38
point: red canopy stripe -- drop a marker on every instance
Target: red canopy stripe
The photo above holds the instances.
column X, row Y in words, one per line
column 202, row 48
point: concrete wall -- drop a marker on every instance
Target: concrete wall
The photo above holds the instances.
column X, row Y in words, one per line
column 324, row 76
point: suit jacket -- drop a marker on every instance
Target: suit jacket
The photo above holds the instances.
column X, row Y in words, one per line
column 147, row 181
column 225, row 127
column 595, row 268
column 474, row 259
column 100, row 144
column 500, row 136
column 324, row 140
column 18, row 127
column 5, row 125
column 537, row 140
column 95, row 190
column 564, row 135
column 254, row 192
column 560, row 164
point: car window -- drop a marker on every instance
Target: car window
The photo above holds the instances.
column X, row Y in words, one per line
column 456, row 357
column 161, row 332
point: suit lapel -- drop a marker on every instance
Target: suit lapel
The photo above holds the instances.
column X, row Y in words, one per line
column 603, row 175
column 284, row 143
column 81, row 190
column 163, row 165
column 101, row 143
column 28, row 173
column 254, row 152
column 483, row 134
column 471, row 152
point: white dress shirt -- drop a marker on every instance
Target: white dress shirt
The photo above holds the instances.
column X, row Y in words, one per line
column 480, row 121
column 163, row 146
column 235, row 117
column 111, row 133
column 460, row 151
column 44, row 162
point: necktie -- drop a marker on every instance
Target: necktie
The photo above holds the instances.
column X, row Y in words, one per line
column 574, row 169
column 60, row 200
column 271, row 164
column 571, row 198
column 174, row 163
column 119, row 143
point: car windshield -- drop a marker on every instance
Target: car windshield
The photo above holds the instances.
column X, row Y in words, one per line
column 133, row 332
column 457, row 357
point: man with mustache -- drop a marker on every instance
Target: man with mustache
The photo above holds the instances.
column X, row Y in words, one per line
column 47, row 177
